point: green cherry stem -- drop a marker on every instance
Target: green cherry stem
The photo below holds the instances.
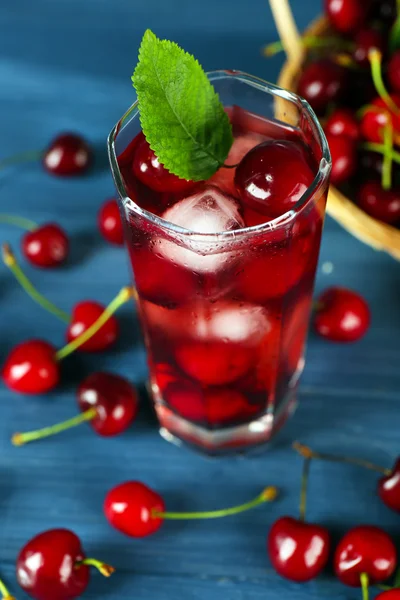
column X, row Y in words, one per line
column 20, row 439
column 306, row 452
column 18, row 221
column 4, row 592
column 11, row 262
column 103, row 568
column 380, row 148
column 364, row 586
column 375, row 58
column 21, row 157
column 267, row 495
column 387, row 157
column 309, row 41
column 303, row 490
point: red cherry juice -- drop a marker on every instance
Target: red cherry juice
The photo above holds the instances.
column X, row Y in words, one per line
column 225, row 327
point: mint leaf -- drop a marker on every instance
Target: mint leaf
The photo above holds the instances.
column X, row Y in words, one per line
column 394, row 36
column 181, row 115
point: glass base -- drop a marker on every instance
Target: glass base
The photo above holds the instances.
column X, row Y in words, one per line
column 229, row 440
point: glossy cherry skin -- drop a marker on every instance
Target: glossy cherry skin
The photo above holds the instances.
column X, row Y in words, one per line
column 128, row 507
column 346, row 16
column 373, row 121
column 298, row 551
column 68, row 154
column 115, row 400
column 343, row 122
column 83, row 316
column 273, row 176
column 389, row 488
column 341, row 315
column 46, row 246
column 389, row 595
column 152, row 173
column 381, row 204
column 110, row 223
column 365, row 40
column 393, row 71
column 344, row 158
column 321, row 83
column 31, row 368
column 47, row 566
column 365, row 549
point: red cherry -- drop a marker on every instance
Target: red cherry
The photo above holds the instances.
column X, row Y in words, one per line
column 375, row 119
column 129, row 506
column 344, row 158
column 297, row 550
column 365, row 549
column 115, row 400
column 343, row 122
column 68, row 154
column 83, row 316
column 152, row 173
column 365, row 40
column 389, row 488
column 273, row 177
column 393, row 71
column 346, row 15
column 389, row 595
column 341, row 315
column 46, row 246
column 381, row 204
column 110, row 223
column 31, row 368
column 321, row 83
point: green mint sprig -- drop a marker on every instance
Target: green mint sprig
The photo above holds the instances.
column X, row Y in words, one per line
column 181, row 115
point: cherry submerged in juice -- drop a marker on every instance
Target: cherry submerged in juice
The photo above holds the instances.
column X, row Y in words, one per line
column 225, row 328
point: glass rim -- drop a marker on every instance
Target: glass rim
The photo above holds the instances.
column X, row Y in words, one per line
column 321, row 176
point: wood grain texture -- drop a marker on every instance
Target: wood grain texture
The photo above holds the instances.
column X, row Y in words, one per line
column 67, row 65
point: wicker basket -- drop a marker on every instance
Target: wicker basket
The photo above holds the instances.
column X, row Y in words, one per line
column 370, row 231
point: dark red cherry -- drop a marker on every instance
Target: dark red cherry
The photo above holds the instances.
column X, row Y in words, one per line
column 129, row 507
column 381, row 204
column 341, row 315
column 83, row 316
column 346, row 16
column 370, row 164
column 344, row 158
column 389, row 488
column 273, row 177
column 389, row 595
column 68, row 154
column 365, row 40
column 152, row 173
column 31, row 368
column 365, row 549
column 393, row 71
column 110, row 223
column 321, row 83
column 342, row 122
column 375, row 119
column 46, row 246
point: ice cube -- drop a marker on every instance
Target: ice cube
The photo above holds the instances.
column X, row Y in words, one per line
column 209, row 211
column 232, row 322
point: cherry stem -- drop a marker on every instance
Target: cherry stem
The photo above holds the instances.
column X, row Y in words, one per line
column 21, row 157
column 103, row 568
column 10, row 261
column 303, row 490
column 20, row 439
column 375, row 58
column 267, row 495
column 364, row 586
column 4, row 592
column 380, row 148
column 306, row 452
column 123, row 296
column 18, row 222
column 387, row 157
column 309, row 41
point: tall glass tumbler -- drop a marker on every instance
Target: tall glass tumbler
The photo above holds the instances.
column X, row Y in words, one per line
column 225, row 314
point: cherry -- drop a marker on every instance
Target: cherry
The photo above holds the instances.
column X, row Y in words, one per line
column 389, row 488
column 341, row 315
column 108, row 402
column 31, row 368
column 52, row 565
column 365, row 549
column 381, row 204
column 321, row 83
column 365, row 40
column 46, row 246
column 389, row 595
column 346, row 15
column 110, row 223
column 138, row 511
column 344, row 158
column 273, row 176
column 84, row 315
column 376, row 117
column 393, row 71
column 147, row 168
column 68, row 154
column 342, row 122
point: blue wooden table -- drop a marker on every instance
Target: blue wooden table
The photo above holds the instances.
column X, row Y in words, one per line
column 66, row 65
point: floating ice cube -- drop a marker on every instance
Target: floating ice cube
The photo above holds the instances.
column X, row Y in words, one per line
column 208, row 211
